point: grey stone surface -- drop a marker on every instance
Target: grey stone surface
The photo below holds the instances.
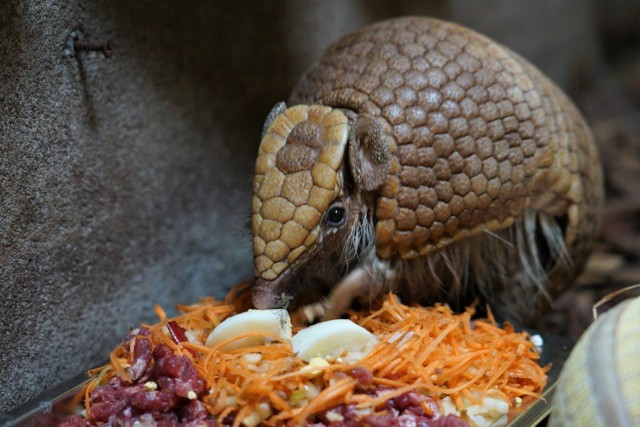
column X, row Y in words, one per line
column 125, row 182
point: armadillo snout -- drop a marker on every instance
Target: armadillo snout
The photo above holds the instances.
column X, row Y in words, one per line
column 265, row 295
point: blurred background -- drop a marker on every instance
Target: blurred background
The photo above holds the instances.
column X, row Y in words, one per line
column 125, row 182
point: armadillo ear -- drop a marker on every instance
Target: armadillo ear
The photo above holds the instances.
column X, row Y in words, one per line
column 369, row 155
column 277, row 109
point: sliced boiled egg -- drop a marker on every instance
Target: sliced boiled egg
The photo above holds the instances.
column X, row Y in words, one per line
column 332, row 339
column 266, row 323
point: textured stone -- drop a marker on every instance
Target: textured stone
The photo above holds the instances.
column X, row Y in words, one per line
column 124, row 182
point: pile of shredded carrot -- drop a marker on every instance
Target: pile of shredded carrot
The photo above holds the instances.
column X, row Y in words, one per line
column 432, row 350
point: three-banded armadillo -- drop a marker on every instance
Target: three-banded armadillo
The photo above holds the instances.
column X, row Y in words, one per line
column 424, row 158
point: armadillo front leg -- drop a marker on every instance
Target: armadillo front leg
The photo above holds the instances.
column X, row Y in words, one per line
column 365, row 284
column 355, row 284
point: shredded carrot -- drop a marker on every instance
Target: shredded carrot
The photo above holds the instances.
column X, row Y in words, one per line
column 162, row 315
column 330, row 396
column 432, row 350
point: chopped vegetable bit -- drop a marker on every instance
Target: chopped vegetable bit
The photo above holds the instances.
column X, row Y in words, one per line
column 298, row 396
column 150, row 386
column 334, row 416
column 537, row 340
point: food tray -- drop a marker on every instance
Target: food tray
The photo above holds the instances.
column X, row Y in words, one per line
column 64, row 398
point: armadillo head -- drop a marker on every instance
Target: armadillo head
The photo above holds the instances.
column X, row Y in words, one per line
column 305, row 198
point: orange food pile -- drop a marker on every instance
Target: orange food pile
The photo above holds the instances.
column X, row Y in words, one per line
column 432, row 350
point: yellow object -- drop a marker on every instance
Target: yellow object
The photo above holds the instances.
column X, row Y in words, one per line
column 600, row 383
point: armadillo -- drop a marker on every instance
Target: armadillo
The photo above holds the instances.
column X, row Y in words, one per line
column 420, row 157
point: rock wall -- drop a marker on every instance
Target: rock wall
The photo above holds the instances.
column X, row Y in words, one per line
column 125, row 182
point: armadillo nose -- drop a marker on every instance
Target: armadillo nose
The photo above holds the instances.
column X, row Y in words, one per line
column 264, row 297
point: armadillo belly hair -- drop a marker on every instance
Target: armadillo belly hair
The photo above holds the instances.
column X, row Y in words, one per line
column 508, row 268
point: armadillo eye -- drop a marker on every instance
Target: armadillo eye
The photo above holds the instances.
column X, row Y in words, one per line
column 336, row 216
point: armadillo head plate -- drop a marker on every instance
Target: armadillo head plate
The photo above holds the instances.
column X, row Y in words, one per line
column 297, row 176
